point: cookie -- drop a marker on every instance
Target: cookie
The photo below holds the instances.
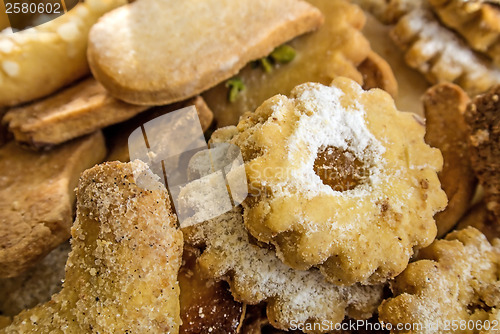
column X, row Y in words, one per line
column 38, row 61
column 121, row 274
column 338, row 178
column 483, row 118
column 440, row 55
column 455, row 283
column 337, row 48
column 36, row 285
column 446, row 129
column 389, row 11
column 201, row 44
column 76, row 111
column 478, row 21
column 480, row 218
column 255, row 274
column 37, row 198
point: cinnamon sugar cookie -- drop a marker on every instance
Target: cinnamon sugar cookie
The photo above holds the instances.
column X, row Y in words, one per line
column 338, row 178
column 121, row 274
column 478, row 21
column 456, row 283
column 440, row 55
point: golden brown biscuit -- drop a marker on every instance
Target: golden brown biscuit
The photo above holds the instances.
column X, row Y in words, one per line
column 206, row 305
column 478, row 21
column 340, row 179
column 37, row 198
column 117, row 136
column 38, row 61
column 440, row 55
column 483, row 118
column 36, row 285
column 121, row 275
column 73, row 112
column 337, row 48
column 455, row 287
column 480, row 218
column 255, row 274
column 444, row 107
column 202, row 44
column 389, row 11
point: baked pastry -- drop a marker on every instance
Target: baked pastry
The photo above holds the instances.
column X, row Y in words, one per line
column 478, row 21
column 37, row 62
column 255, row 274
column 73, row 112
column 483, row 118
column 337, row 48
column 389, row 11
column 340, row 179
column 446, row 129
column 36, row 285
column 440, row 55
column 454, row 286
column 37, row 198
column 121, row 275
column 480, row 218
column 203, row 44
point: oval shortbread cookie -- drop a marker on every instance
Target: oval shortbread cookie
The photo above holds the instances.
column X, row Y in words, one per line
column 156, row 52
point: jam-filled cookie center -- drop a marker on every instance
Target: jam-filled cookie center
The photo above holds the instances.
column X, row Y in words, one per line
column 339, row 169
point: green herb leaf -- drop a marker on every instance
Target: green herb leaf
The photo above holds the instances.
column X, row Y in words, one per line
column 235, row 86
column 283, row 54
column 266, row 64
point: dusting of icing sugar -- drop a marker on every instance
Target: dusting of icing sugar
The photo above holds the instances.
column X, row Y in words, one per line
column 328, row 123
column 455, row 53
column 301, row 295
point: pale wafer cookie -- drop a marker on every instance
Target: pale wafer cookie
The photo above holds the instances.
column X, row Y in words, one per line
column 38, row 61
column 478, row 21
column 157, row 52
column 337, row 48
column 37, row 198
column 446, row 129
column 121, row 275
column 440, row 55
column 70, row 113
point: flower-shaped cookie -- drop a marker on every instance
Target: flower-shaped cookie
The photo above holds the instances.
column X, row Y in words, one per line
column 338, row 178
column 455, row 288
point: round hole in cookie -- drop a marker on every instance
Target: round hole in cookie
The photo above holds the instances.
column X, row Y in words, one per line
column 339, row 169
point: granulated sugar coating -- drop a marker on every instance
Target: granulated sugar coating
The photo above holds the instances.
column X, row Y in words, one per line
column 457, row 283
column 121, row 275
column 364, row 222
column 255, row 274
